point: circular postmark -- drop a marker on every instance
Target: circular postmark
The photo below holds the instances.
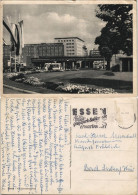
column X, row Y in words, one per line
column 129, row 124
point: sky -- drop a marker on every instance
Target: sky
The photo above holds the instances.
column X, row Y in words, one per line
column 43, row 23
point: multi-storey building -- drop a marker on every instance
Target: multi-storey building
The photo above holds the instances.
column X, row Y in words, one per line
column 9, row 58
column 34, row 51
column 42, row 50
column 6, row 55
column 73, row 46
column 94, row 52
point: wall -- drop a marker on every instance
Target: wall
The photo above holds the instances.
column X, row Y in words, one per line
column 72, row 46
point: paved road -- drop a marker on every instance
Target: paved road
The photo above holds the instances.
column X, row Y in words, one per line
column 11, row 91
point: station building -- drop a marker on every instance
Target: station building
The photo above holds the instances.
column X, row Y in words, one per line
column 33, row 51
column 42, row 50
column 94, row 52
column 122, row 62
column 70, row 52
column 73, row 46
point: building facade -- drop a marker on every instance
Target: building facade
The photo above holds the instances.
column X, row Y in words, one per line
column 121, row 62
column 33, row 51
column 6, row 56
column 94, row 52
column 73, row 46
column 42, row 50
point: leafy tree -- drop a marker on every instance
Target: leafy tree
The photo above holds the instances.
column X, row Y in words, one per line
column 107, row 53
column 117, row 33
column 85, row 50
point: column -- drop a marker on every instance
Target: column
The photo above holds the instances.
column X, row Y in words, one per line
column 92, row 64
column 80, row 64
column 73, row 65
column 64, row 65
column 89, row 64
column 128, row 65
column 85, row 64
column 15, row 68
column 121, row 65
column 104, row 63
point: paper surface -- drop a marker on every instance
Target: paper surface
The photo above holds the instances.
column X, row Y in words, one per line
column 69, row 146
column 69, row 143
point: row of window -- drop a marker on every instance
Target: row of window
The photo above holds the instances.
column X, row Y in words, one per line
column 48, row 47
column 70, row 50
column 66, row 40
column 6, row 53
column 70, row 54
column 46, row 54
column 69, row 43
column 70, row 47
column 44, row 50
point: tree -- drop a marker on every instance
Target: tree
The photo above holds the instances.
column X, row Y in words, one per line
column 107, row 53
column 117, row 33
column 85, row 49
column 108, row 44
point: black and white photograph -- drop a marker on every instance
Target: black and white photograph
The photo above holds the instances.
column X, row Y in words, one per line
column 68, row 48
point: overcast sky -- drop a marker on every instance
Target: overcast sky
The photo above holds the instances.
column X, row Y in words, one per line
column 42, row 23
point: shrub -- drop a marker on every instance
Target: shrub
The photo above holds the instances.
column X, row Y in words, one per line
column 33, row 81
column 51, row 85
column 14, row 76
column 21, row 80
column 72, row 88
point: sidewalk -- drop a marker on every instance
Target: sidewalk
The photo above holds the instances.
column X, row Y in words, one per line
column 9, row 89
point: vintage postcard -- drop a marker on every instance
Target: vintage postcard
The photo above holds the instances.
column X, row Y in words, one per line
column 69, row 48
column 69, row 146
column 68, row 78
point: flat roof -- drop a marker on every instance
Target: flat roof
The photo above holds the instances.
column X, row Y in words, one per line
column 66, row 58
column 70, row 38
column 29, row 44
column 123, row 57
